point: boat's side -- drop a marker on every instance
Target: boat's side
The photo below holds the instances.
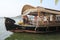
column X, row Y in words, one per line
column 38, row 30
column 30, row 29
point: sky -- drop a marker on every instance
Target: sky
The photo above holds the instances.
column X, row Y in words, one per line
column 12, row 8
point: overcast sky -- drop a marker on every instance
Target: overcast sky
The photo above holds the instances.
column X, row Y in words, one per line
column 12, row 8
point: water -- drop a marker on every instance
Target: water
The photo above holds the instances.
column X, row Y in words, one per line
column 3, row 32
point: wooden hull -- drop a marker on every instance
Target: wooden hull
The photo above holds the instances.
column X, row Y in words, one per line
column 38, row 30
column 31, row 29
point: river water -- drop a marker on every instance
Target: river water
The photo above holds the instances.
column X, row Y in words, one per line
column 3, row 32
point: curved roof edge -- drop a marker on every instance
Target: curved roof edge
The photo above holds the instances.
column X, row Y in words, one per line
column 25, row 7
column 28, row 7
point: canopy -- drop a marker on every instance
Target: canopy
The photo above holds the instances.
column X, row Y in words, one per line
column 27, row 9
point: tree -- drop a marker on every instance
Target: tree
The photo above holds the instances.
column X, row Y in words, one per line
column 56, row 1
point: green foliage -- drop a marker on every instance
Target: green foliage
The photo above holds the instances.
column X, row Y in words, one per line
column 56, row 1
column 41, row 1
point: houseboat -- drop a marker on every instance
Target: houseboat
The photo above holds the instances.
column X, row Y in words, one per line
column 44, row 20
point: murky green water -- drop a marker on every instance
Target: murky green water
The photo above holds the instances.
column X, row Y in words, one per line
column 29, row 36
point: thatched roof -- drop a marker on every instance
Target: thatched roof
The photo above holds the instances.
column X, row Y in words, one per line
column 27, row 9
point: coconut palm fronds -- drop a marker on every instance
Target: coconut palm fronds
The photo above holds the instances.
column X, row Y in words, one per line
column 41, row 1
column 56, row 1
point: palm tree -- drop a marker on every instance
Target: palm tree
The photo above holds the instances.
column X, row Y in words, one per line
column 56, row 1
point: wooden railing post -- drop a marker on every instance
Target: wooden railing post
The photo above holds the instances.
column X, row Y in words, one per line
column 38, row 10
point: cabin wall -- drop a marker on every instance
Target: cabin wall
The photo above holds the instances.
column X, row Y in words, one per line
column 46, row 18
column 51, row 17
column 57, row 17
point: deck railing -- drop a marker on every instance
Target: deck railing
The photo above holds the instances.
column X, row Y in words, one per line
column 50, row 23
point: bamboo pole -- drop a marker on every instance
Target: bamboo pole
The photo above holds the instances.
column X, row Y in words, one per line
column 38, row 12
